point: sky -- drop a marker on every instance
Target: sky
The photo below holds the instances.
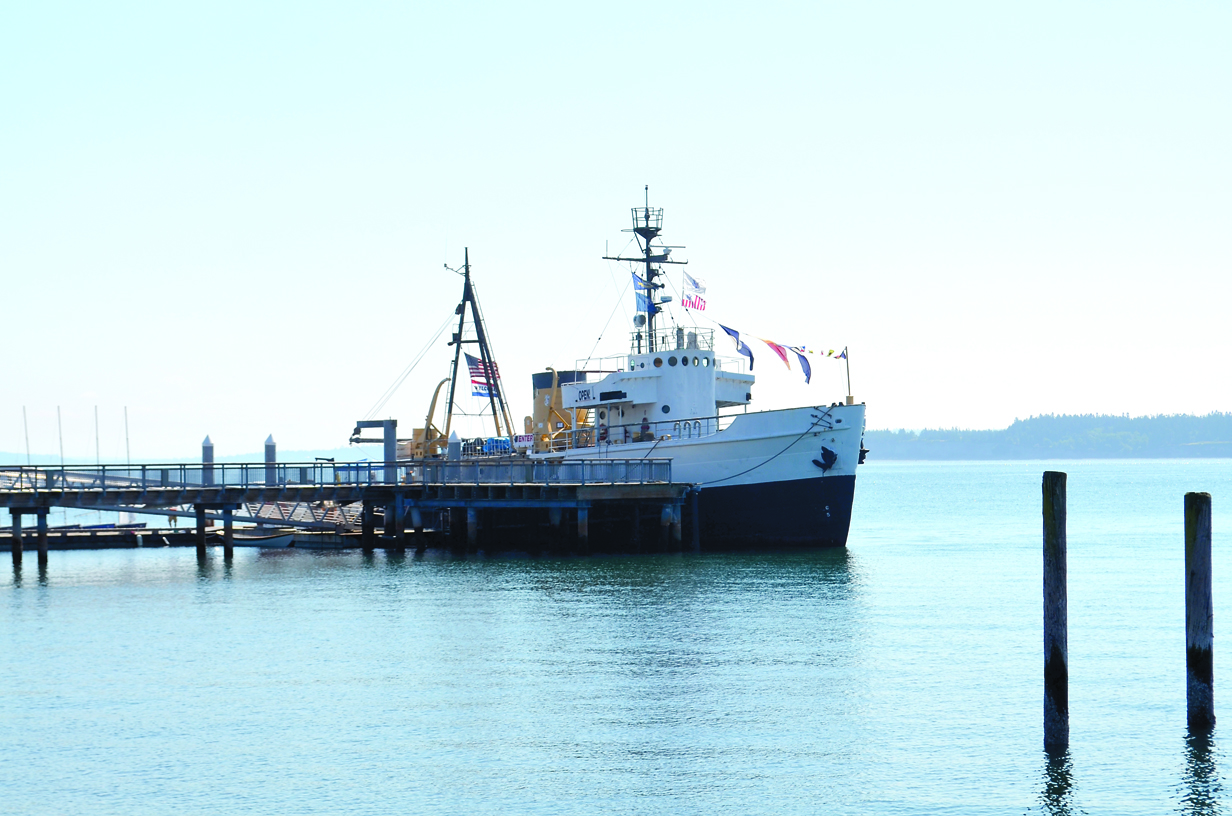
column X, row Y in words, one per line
column 234, row 218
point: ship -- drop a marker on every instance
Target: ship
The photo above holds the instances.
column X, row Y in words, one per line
column 769, row 479
column 764, row 479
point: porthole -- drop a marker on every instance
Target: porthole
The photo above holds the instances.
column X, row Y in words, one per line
column 667, row 409
column 603, row 415
column 705, row 362
column 684, row 361
column 658, row 362
column 671, row 361
column 694, row 361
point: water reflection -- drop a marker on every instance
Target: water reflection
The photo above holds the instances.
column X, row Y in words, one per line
column 1057, row 797
column 1203, row 785
column 205, row 567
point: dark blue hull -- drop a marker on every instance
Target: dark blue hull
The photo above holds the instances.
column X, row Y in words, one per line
column 775, row 515
column 801, row 513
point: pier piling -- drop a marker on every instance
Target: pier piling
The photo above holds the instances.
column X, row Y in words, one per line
column 399, row 529
column 1199, row 613
column 472, row 527
column 200, row 511
column 42, row 536
column 1056, row 623
column 228, row 535
column 17, row 545
column 583, row 515
column 367, row 527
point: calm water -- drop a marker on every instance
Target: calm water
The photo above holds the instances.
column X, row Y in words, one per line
column 902, row 676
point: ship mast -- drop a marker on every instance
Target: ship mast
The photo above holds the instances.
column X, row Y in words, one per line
column 496, row 397
column 647, row 224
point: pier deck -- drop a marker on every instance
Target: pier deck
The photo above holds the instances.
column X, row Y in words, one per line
column 454, row 499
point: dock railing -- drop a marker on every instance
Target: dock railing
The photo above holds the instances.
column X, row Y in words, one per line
column 513, row 470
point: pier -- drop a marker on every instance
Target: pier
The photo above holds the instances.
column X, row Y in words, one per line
column 511, row 502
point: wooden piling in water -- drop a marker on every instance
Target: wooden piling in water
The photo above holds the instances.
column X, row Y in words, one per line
column 1199, row 613
column 42, row 536
column 472, row 527
column 1056, row 623
column 228, row 535
column 583, row 527
column 17, row 545
column 200, row 513
column 367, row 527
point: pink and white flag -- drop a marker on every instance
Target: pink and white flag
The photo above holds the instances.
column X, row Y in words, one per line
column 694, row 290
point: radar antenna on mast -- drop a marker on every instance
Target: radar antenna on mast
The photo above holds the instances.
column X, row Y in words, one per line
column 647, row 224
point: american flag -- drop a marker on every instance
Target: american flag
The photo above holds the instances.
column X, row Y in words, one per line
column 480, row 381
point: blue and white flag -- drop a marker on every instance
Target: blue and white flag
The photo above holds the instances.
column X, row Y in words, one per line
column 804, row 363
column 741, row 347
column 643, row 293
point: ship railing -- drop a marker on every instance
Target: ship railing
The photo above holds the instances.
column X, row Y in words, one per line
column 671, row 339
column 588, row 436
column 18, row 479
column 531, row 471
column 187, row 476
column 737, row 364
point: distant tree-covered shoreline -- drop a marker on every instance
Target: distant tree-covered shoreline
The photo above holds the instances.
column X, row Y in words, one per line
column 1085, row 436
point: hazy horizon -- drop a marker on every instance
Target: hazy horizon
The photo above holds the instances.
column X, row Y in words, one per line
column 373, row 451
